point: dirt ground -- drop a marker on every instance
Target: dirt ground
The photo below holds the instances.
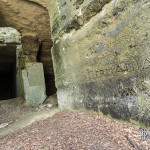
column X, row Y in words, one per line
column 76, row 131
column 15, row 114
column 11, row 110
column 14, row 109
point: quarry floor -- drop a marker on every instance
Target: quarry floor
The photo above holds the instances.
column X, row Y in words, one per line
column 46, row 128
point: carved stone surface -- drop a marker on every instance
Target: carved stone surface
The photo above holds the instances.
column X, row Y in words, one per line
column 34, row 84
column 101, row 56
column 31, row 19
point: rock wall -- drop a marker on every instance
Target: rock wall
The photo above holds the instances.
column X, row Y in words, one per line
column 101, row 56
column 31, row 19
column 11, row 63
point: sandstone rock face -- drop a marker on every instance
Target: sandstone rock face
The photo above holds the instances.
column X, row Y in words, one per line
column 101, row 56
column 31, row 19
column 9, row 35
column 10, row 55
column 44, row 3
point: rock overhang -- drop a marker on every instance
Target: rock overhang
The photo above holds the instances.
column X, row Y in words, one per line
column 9, row 35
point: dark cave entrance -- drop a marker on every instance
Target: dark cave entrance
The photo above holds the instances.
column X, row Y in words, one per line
column 50, row 84
column 48, row 68
column 7, row 72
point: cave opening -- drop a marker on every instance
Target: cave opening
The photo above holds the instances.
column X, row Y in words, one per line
column 8, row 72
column 50, row 84
column 46, row 58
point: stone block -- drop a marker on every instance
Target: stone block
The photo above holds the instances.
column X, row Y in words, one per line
column 9, row 35
column 34, row 84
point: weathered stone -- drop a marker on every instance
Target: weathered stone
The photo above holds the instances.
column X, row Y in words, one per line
column 31, row 19
column 34, row 84
column 11, row 52
column 9, row 35
column 31, row 47
column 103, row 64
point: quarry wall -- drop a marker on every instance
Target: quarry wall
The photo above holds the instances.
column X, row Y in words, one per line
column 101, row 56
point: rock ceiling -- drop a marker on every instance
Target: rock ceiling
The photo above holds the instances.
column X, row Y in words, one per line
column 31, row 19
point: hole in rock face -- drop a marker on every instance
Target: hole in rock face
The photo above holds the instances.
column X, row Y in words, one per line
column 50, row 84
column 45, row 58
column 7, row 72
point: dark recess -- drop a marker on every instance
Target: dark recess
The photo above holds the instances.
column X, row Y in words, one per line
column 49, row 76
column 7, row 72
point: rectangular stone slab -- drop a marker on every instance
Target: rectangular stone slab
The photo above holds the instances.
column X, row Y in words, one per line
column 34, row 84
